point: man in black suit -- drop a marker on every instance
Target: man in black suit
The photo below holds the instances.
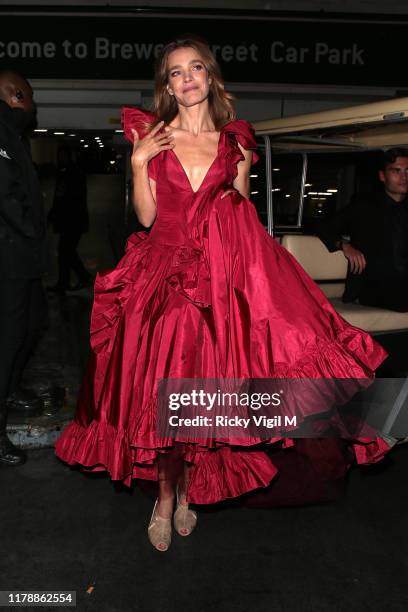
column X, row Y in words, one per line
column 22, row 247
column 372, row 232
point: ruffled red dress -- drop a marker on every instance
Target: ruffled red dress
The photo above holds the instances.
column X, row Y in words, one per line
column 207, row 293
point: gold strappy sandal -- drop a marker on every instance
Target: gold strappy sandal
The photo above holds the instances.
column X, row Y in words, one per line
column 184, row 519
column 159, row 531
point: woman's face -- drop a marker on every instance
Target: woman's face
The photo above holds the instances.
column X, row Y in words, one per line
column 188, row 79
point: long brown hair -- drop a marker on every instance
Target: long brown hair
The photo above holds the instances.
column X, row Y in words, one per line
column 219, row 101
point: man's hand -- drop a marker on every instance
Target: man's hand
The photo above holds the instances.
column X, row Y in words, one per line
column 355, row 257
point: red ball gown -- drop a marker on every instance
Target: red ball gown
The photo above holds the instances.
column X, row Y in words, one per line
column 207, row 293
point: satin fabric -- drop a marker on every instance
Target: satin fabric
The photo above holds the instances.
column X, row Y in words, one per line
column 208, row 293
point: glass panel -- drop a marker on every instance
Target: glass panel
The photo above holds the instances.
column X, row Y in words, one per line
column 286, row 186
column 258, row 187
column 326, row 174
column 331, row 181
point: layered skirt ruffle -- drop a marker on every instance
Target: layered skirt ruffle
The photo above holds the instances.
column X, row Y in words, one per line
column 227, row 303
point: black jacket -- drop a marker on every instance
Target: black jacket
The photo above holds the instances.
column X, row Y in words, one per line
column 22, row 223
column 374, row 224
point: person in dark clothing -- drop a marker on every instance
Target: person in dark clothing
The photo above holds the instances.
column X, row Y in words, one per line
column 23, row 308
column 69, row 218
column 376, row 226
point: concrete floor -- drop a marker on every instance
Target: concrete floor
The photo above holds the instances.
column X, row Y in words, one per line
column 62, row 530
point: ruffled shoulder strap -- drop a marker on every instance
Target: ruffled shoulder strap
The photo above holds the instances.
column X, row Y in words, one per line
column 243, row 133
column 140, row 120
column 137, row 119
column 234, row 133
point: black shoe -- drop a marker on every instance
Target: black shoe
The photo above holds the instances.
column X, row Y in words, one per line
column 53, row 399
column 24, row 402
column 9, row 454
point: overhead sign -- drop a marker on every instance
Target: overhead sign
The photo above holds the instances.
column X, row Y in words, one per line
column 254, row 50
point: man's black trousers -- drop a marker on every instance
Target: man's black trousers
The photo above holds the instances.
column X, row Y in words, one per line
column 68, row 259
column 388, row 293
column 23, row 318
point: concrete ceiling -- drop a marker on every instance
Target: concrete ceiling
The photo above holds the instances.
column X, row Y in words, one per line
column 340, row 6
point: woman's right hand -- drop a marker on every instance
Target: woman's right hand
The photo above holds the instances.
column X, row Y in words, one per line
column 144, row 149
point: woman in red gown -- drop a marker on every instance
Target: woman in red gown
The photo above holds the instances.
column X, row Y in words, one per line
column 206, row 294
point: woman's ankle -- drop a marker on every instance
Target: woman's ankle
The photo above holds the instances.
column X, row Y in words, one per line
column 165, row 506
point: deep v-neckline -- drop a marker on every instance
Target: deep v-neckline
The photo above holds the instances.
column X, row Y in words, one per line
column 207, row 171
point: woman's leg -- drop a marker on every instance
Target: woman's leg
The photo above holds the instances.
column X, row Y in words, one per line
column 184, row 519
column 182, row 484
column 173, row 475
column 171, row 470
column 170, row 465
